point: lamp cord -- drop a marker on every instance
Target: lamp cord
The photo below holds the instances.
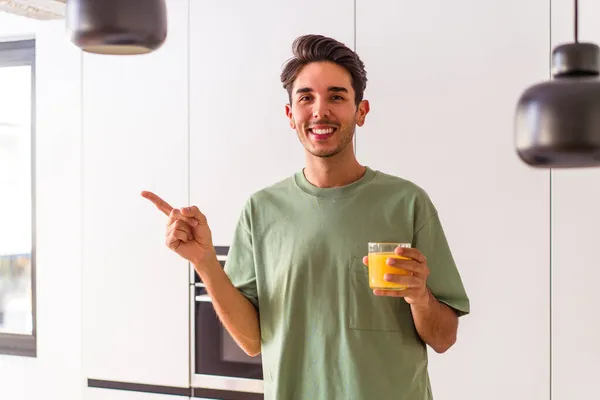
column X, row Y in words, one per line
column 576, row 21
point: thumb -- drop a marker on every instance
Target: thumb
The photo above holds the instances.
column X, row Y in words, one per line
column 193, row 212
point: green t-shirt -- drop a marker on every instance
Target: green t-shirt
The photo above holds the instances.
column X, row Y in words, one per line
column 297, row 256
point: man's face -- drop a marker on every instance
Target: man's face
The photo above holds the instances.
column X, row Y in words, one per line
column 323, row 111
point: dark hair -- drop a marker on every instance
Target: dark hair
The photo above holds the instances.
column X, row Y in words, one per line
column 313, row 48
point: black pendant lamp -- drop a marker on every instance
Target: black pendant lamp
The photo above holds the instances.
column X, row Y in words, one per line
column 123, row 27
column 557, row 123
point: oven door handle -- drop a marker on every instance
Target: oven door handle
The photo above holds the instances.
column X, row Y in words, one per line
column 203, row 298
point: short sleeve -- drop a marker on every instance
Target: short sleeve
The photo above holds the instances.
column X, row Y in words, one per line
column 444, row 280
column 240, row 266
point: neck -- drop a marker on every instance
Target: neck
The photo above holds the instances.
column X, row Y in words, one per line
column 339, row 170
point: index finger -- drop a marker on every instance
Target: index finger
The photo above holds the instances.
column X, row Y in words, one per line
column 411, row 252
column 158, row 202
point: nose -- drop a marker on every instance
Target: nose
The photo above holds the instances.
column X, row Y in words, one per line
column 321, row 109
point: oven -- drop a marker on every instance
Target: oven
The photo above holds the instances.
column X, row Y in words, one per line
column 218, row 363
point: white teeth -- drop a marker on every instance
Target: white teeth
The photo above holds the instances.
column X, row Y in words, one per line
column 323, row 131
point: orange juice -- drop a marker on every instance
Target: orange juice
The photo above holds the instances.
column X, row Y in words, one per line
column 378, row 268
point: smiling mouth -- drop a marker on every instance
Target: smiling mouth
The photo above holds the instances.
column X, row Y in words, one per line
column 322, row 133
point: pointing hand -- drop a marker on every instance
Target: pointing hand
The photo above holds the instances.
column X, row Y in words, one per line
column 188, row 233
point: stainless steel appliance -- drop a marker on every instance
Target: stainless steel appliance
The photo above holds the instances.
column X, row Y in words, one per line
column 218, row 362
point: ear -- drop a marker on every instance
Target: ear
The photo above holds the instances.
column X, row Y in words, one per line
column 288, row 113
column 362, row 111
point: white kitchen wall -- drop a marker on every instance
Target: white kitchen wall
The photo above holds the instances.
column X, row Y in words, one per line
column 455, row 73
column 14, row 27
column 575, row 236
column 56, row 372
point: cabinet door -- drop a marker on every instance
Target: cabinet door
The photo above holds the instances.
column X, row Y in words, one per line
column 135, row 130
column 575, row 277
column 575, row 236
column 444, row 78
column 109, row 394
column 240, row 137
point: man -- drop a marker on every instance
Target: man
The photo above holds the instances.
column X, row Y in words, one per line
column 295, row 286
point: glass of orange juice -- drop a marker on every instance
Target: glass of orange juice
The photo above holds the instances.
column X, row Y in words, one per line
column 378, row 254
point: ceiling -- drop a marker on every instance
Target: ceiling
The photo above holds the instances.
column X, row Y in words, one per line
column 35, row 9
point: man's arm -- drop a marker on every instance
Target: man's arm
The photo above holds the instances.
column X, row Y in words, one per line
column 189, row 235
column 236, row 312
column 436, row 323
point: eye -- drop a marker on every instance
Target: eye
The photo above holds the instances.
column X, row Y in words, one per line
column 337, row 97
column 305, row 98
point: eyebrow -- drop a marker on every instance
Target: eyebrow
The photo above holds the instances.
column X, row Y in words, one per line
column 336, row 89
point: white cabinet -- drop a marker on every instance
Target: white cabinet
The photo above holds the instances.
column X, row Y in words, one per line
column 57, row 367
column 240, row 138
column 109, row 394
column 575, row 277
column 444, row 78
column 135, row 137
column 575, row 238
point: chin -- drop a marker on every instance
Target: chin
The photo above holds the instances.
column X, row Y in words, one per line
column 325, row 153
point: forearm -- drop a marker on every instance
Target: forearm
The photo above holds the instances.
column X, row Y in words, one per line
column 436, row 323
column 236, row 312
